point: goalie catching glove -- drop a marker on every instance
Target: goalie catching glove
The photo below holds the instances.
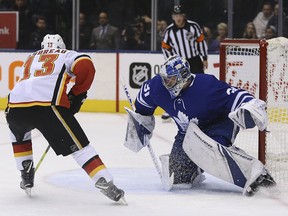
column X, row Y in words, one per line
column 139, row 130
column 250, row 114
column 76, row 101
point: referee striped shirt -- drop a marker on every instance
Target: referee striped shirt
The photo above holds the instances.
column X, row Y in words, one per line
column 187, row 42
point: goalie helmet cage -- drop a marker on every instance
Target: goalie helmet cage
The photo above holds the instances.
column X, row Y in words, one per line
column 261, row 67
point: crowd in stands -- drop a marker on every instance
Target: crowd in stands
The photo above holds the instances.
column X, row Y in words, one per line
column 263, row 26
column 101, row 29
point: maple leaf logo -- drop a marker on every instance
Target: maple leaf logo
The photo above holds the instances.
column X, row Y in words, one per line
column 183, row 120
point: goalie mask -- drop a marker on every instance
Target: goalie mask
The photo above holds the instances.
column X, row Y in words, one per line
column 53, row 41
column 175, row 73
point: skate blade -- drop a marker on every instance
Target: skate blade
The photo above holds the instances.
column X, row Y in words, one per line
column 122, row 201
column 28, row 192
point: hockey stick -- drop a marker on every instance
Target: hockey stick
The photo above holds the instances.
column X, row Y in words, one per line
column 42, row 158
column 166, row 184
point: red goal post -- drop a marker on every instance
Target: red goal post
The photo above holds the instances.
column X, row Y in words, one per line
column 262, row 46
column 261, row 67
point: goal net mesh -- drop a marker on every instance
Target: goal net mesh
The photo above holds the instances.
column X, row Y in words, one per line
column 243, row 69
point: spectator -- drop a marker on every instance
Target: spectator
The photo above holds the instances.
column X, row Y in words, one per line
column 105, row 36
column 274, row 21
column 134, row 37
column 85, row 30
column 38, row 34
column 161, row 26
column 270, row 32
column 250, row 31
column 222, row 32
column 5, row 5
column 25, row 22
column 207, row 35
column 262, row 19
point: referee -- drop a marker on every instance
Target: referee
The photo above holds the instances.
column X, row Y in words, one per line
column 185, row 38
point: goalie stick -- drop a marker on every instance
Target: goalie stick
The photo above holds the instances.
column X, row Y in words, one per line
column 167, row 184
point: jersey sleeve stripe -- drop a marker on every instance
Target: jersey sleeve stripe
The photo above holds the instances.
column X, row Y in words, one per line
column 240, row 98
column 141, row 100
column 78, row 59
column 58, row 87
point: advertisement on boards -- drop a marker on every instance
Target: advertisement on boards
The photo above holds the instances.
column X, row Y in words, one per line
column 8, row 29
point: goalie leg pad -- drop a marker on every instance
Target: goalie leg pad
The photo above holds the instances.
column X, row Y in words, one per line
column 230, row 164
column 139, row 130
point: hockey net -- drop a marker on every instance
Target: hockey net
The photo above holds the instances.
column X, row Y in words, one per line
column 261, row 67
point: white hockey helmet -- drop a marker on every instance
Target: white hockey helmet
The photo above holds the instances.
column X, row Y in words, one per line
column 175, row 73
column 53, row 41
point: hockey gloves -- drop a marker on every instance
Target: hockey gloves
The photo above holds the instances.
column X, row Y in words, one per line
column 76, row 101
column 250, row 114
column 139, row 130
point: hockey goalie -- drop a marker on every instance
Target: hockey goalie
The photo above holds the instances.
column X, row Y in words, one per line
column 209, row 114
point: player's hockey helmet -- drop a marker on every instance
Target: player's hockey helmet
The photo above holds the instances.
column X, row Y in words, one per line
column 53, row 41
column 175, row 73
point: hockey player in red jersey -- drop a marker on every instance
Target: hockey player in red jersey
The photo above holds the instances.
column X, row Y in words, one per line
column 39, row 100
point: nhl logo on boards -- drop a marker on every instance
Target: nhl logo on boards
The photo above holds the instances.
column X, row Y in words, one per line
column 139, row 72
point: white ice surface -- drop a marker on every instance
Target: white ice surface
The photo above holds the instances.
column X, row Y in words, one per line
column 62, row 188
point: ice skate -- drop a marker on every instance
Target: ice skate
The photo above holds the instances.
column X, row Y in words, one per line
column 197, row 178
column 27, row 175
column 264, row 180
column 166, row 118
column 110, row 190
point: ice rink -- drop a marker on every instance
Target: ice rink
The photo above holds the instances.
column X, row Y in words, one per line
column 62, row 188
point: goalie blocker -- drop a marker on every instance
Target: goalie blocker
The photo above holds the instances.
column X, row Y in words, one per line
column 230, row 164
column 139, row 130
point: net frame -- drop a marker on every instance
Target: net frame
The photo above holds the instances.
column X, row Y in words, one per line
column 237, row 57
column 262, row 77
